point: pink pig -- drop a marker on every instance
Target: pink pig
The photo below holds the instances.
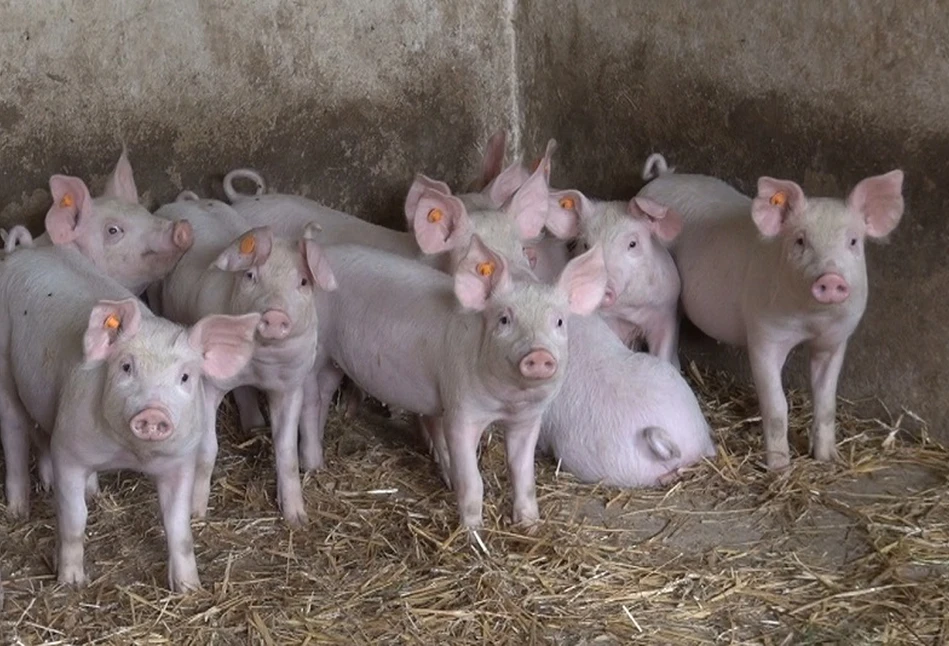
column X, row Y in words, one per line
column 110, row 386
column 643, row 289
column 774, row 272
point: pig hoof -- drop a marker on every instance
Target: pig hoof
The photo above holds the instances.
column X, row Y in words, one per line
column 312, row 462
column 72, row 576
column 92, row 487
column 826, row 454
column 778, row 461
column 19, row 509
column 670, row 478
column 184, row 585
column 296, row 518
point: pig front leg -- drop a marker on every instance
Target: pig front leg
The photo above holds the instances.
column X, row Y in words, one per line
column 520, row 444
column 318, row 389
column 434, row 431
column 825, row 371
column 71, row 514
column 767, row 360
column 663, row 339
column 206, row 455
column 285, row 417
column 462, row 438
column 15, row 428
column 175, row 487
column 248, row 408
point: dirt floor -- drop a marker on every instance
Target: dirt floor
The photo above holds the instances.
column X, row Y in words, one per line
column 854, row 553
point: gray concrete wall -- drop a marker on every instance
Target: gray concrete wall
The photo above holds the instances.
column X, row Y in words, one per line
column 345, row 102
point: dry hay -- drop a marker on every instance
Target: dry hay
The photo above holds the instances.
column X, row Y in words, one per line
column 850, row 553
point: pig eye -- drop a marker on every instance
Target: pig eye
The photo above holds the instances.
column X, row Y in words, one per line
column 632, row 244
column 304, row 282
column 127, row 367
column 504, row 320
column 114, row 230
column 185, row 377
column 799, row 241
column 249, row 275
column 853, row 242
column 559, row 322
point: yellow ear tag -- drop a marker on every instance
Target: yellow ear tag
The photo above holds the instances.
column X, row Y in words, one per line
column 567, row 203
column 435, row 215
column 67, row 201
column 778, row 199
column 486, row 268
column 112, row 322
column 248, row 245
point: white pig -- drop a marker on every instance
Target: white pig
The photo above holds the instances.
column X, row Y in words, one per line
column 233, row 270
column 775, row 272
column 111, row 386
column 622, row 418
column 17, row 236
column 642, row 293
column 500, row 357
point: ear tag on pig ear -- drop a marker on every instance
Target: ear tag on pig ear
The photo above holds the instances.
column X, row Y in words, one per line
column 485, row 268
column 779, row 199
column 248, row 244
column 567, row 203
column 435, row 215
column 67, row 201
column 112, row 322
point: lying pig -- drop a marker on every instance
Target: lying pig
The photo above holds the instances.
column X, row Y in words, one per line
column 110, row 386
column 233, row 270
column 774, row 272
column 121, row 238
column 621, row 418
column 500, row 356
column 643, row 289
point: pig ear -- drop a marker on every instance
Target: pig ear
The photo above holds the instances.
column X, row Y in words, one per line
column 493, row 160
column 250, row 250
column 583, row 280
column 226, row 343
column 121, row 183
column 529, row 203
column 777, row 200
column 565, row 210
column 441, row 222
column 480, row 274
column 506, row 184
column 108, row 321
column 72, row 208
column 664, row 222
column 418, row 187
column 317, row 265
column 879, row 200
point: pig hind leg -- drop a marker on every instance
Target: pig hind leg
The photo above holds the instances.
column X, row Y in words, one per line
column 434, row 431
column 248, row 408
column 15, row 428
column 825, row 370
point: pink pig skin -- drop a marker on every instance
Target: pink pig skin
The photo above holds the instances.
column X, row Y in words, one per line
column 276, row 278
column 121, row 238
column 499, row 356
column 622, row 418
column 104, row 398
column 776, row 272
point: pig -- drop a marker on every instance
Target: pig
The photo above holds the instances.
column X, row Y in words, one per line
column 622, row 418
column 110, row 386
column 17, row 236
column 234, row 269
column 472, row 349
column 643, row 290
column 121, row 238
column 777, row 271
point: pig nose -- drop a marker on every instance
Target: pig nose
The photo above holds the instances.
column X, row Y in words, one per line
column 830, row 289
column 538, row 364
column 274, row 324
column 182, row 234
column 152, row 424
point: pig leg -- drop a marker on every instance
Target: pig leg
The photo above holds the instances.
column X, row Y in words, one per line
column 15, row 429
column 207, row 454
column 520, row 443
column 175, row 488
column 435, row 434
column 285, row 417
column 463, row 438
column 663, row 340
column 825, row 370
column 71, row 514
column 767, row 360
column 318, row 391
column 248, row 408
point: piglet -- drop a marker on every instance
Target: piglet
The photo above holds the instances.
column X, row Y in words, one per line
column 475, row 348
column 110, row 386
column 775, row 272
column 643, row 289
column 234, row 269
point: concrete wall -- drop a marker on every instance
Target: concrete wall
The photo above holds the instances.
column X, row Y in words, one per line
column 345, row 102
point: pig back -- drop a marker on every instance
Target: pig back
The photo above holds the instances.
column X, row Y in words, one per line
column 47, row 295
column 386, row 325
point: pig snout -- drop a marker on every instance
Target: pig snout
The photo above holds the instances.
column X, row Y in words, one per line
column 830, row 289
column 152, row 424
column 182, row 235
column 274, row 324
column 538, row 364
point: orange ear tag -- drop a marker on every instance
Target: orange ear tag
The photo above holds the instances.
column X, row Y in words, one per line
column 778, row 199
column 112, row 322
column 567, row 203
column 435, row 215
column 67, row 201
column 248, row 245
column 486, row 268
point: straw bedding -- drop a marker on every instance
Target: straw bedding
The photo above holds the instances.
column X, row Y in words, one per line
column 856, row 552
